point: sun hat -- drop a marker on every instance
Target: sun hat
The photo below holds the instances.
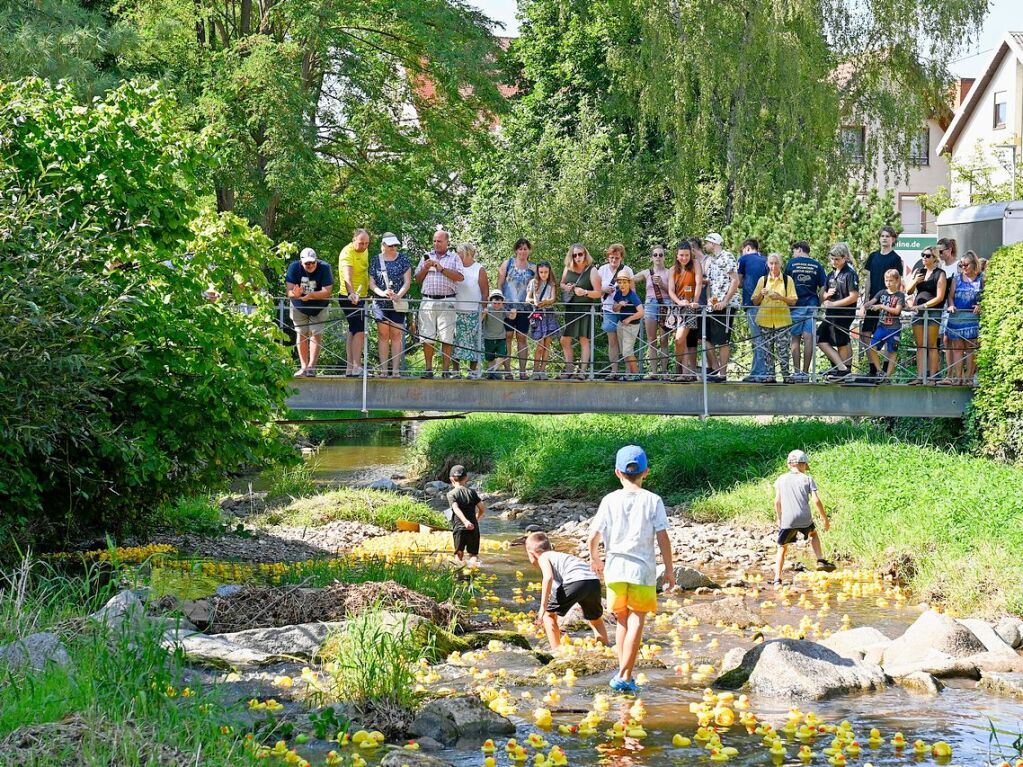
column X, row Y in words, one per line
column 798, row 456
column 390, row 239
column 307, row 256
column 631, row 459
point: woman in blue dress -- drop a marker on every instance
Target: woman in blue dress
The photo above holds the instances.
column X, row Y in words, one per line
column 963, row 329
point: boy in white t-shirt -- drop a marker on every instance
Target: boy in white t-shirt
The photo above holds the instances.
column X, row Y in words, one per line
column 630, row 521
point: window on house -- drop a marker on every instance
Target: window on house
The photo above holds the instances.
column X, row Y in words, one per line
column 854, row 140
column 1001, row 109
column 913, row 221
column 919, row 151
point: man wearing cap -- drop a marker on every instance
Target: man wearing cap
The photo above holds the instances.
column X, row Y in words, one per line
column 792, row 494
column 353, row 266
column 721, row 272
column 608, row 274
column 438, row 271
column 309, row 282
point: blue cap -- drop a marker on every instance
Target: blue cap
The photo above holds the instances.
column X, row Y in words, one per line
column 631, row 460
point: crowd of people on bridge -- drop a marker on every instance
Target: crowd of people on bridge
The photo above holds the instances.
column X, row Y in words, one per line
column 483, row 324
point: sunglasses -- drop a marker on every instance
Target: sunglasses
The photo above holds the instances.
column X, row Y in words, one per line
column 927, row 254
column 578, row 255
column 964, row 264
column 658, row 255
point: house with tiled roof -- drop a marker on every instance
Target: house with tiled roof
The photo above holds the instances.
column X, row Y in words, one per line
column 986, row 129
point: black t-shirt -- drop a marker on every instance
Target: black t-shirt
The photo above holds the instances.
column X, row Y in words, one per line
column 319, row 279
column 927, row 289
column 466, row 499
column 891, row 300
column 877, row 264
column 844, row 282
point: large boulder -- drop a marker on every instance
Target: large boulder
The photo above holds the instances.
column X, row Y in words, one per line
column 125, row 608
column 729, row 609
column 1011, row 631
column 1007, row 684
column 944, row 647
column 463, row 717
column 796, row 668
column 686, row 578
column 402, row 757
column 856, row 643
column 256, row 647
column 34, row 652
column 921, row 682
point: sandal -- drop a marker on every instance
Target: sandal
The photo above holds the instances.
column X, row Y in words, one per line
column 915, row 382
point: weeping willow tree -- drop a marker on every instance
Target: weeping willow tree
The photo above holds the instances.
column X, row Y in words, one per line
column 734, row 102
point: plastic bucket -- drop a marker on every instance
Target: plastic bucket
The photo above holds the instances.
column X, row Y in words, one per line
column 405, row 526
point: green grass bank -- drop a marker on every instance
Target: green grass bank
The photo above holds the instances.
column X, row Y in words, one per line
column 374, row 507
column 950, row 524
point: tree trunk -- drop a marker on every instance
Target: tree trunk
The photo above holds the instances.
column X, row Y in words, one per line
column 246, row 19
column 225, row 199
column 270, row 215
column 735, row 103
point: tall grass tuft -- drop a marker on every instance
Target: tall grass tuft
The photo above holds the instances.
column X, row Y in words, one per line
column 375, row 507
column 295, row 481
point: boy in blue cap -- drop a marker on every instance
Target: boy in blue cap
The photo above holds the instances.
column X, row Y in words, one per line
column 629, row 521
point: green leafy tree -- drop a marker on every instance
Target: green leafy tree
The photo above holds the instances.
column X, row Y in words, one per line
column 121, row 384
column 328, row 113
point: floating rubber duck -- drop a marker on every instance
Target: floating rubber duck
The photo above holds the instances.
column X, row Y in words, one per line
column 280, row 749
column 536, row 740
column 777, row 751
column 510, row 745
column 724, row 717
column 874, row 740
column 518, row 754
column 488, row 746
column 838, row 760
column 941, row 750
column 411, row 746
column 617, row 730
column 557, row 757
column 333, row 759
column 567, row 729
column 702, row 734
column 542, row 717
column 637, row 710
column 805, row 754
column 358, row 761
column 854, row 748
column 919, row 747
column 680, row 741
column 898, row 741
column 540, row 760
column 636, row 731
column 717, row 755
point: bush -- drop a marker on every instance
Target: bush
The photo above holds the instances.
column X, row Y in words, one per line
column 956, row 519
column 374, row 507
column 996, row 418
column 547, row 457
column 121, row 385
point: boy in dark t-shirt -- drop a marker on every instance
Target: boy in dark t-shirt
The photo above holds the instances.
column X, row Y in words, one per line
column 886, row 306
column 877, row 266
column 466, row 510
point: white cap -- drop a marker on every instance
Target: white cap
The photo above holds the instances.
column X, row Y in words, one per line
column 307, row 256
column 797, row 456
column 390, row 239
column 714, row 237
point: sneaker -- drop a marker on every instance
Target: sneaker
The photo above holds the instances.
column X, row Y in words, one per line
column 310, row 372
column 777, row 583
column 825, row 566
column 300, row 373
column 620, row 685
column 427, row 374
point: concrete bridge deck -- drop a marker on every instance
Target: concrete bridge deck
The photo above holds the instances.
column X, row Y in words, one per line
column 655, row 398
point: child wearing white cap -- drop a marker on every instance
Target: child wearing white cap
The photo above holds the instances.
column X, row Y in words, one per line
column 792, row 494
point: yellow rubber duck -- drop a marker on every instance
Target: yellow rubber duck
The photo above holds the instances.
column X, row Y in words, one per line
column 358, row 761
column 941, row 750
column 539, row 760
column 717, row 755
column 724, row 717
column 279, row 750
column 510, row 745
column 919, row 747
column 488, row 746
column 542, row 717
column 834, row 748
column 702, row 734
column 617, row 730
column 838, row 760
column 854, row 748
column 777, row 751
column 636, row 731
column 899, row 741
column 333, row 759
column 805, row 754
column 489, row 762
column 536, row 740
column 680, row 741
column 518, row 754
column 557, row 757
column 874, row 740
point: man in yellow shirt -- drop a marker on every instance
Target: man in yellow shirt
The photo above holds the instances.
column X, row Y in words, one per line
column 774, row 294
column 353, row 267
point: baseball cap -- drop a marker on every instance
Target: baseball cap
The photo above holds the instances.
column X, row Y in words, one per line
column 308, row 255
column 714, row 237
column 390, row 239
column 797, row 456
column 496, row 294
column 631, row 460
column 458, row 471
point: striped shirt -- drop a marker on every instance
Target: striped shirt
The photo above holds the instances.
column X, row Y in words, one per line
column 435, row 283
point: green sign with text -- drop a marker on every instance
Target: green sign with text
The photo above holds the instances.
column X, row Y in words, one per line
column 917, row 242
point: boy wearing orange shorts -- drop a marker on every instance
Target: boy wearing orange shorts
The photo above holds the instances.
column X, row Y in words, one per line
column 629, row 521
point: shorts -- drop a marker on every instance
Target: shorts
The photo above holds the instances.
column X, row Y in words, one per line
column 356, row 315
column 577, row 320
column 392, row 317
column 719, row 327
column 869, row 323
column 308, row 325
column 886, row 338
column 520, row 323
column 437, row 321
column 802, row 320
column 789, row 534
column 654, row 310
column 586, row 594
column 494, row 348
column 933, row 318
column 467, row 540
column 627, row 335
column 631, row 596
column 609, row 324
column 834, row 330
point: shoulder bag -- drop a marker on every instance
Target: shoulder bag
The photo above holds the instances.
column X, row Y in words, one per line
column 400, row 305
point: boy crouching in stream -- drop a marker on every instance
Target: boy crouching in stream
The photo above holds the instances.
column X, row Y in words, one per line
column 567, row 581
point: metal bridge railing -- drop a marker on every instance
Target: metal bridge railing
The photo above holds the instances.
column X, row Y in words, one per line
column 657, row 355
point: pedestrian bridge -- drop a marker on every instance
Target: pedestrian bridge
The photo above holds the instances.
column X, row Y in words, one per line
column 641, row 397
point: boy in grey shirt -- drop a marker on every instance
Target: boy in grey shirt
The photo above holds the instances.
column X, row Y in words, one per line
column 792, row 494
column 495, row 347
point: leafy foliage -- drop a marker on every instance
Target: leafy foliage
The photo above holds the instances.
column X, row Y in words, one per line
column 838, row 215
column 996, row 416
column 121, row 384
